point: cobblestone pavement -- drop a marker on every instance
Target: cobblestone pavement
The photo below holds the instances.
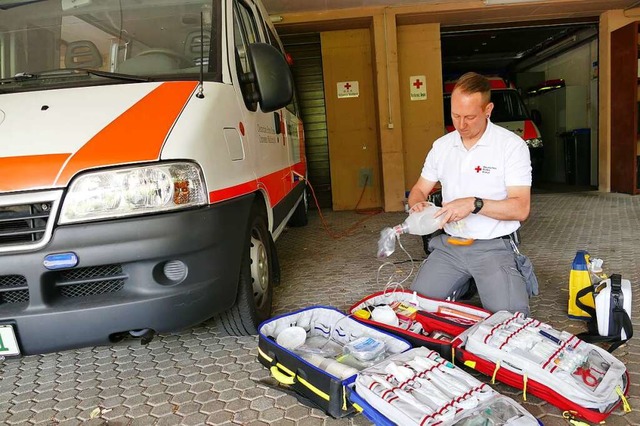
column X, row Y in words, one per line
column 197, row 377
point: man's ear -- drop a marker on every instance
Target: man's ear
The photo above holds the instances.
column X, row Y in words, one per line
column 488, row 109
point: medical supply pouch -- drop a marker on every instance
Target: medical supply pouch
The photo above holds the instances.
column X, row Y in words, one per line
column 422, row 321
column 611, row 317
column 579, row 279
column 553, row 365
column 316, row 352
column 419, row 387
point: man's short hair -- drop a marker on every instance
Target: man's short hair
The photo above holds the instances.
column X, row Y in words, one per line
column 471, row 83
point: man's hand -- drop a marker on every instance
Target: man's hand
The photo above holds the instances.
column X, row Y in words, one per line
column 515, row 207
column 456, row 210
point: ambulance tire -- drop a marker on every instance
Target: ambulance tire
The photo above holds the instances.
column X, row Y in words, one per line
column 299, row 216
column 256, row 281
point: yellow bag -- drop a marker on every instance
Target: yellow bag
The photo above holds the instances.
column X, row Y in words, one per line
column 580, row 278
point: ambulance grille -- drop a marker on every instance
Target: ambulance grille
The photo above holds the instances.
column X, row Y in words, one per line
column 13, row 289
column 27, row 220
column 26, row 223
column 90, row 281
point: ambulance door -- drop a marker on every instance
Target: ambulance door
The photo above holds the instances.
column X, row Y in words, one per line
column 269, row 154
column 293, row 129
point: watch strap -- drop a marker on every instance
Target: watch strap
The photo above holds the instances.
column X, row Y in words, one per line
column 479, row 204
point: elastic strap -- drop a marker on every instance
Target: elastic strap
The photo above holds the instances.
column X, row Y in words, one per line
column 625, row 403
column 493, row 377
column 588, row 309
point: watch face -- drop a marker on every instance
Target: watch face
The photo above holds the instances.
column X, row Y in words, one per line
column 478, row 204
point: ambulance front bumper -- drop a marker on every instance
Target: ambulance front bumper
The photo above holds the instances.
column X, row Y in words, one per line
column 164, row 272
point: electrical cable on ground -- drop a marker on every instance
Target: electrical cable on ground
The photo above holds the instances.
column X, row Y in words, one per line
column 351, row 230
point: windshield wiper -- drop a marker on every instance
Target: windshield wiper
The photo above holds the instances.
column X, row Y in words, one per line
column 27, row 76
column 114, row 75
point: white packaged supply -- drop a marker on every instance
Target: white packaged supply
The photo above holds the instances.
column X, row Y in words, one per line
column 419, row 387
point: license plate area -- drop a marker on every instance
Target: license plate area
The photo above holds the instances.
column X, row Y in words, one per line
column 8, row 342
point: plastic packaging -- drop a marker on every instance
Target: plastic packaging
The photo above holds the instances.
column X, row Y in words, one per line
column 365, row 348
column 320, row 345
column 386, row 243
column 331, row 366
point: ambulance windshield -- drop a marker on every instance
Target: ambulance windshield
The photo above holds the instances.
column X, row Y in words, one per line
column 41, row 41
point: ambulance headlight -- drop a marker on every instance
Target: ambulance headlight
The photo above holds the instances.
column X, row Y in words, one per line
column 133, row 191
column 534, row 143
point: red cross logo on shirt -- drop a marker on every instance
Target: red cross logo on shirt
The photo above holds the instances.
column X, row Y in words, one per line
column 347, row 86
column 477, row 169
column 418, row 83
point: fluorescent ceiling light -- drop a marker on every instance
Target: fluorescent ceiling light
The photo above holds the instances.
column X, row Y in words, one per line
column 494, row 2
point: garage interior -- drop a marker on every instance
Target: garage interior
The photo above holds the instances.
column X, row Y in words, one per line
column 364, row 153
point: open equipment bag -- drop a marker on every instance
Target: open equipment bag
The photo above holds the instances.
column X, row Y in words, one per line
column 553, row 365
column 419, row 387
column 423, row 321
column 321, row 381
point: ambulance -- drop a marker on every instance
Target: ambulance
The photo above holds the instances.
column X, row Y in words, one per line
column 509, row 112
column 150, row 154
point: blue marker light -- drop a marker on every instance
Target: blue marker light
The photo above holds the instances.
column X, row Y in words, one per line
column 60, row 261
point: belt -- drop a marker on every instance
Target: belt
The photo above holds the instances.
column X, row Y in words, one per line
column 515, row 236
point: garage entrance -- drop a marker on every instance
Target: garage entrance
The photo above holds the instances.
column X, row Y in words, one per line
column 334, row 79
column 554, row 67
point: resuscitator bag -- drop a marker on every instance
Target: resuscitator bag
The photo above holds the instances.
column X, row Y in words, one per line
column 417, row 223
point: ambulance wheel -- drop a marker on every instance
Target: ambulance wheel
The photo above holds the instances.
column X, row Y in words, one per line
column 299, row 216
column 255, row 286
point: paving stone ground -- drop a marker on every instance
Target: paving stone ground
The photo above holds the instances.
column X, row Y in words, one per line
column 197, row 377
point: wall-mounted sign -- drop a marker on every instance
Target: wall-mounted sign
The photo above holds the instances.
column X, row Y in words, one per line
column 418, row 87
column 348, row 89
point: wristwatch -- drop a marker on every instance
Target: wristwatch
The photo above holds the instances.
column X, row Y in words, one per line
column 478, row 204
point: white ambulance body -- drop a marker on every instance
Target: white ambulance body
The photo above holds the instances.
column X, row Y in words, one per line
column 150, row 153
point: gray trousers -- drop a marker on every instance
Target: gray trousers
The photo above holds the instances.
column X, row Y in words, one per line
column 492, row 265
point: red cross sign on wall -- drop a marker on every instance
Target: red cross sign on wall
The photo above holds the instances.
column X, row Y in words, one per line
column 418, row 88
column 348, row 89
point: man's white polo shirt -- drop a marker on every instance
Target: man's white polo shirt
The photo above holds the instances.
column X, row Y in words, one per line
column 498, row 160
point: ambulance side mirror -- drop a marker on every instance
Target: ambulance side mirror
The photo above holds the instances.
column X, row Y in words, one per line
column 271, row 75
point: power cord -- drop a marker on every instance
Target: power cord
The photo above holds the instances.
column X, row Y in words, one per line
column 351, row 230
